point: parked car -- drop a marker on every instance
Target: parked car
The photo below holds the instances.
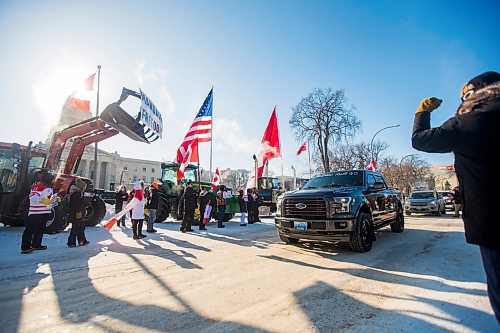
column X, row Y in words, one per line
column 342, row 206
column 449, row 200
column 425, row 202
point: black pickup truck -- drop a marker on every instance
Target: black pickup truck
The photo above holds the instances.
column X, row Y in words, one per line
column 342, row 206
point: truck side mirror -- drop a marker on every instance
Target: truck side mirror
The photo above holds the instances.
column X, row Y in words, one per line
column 377, row 186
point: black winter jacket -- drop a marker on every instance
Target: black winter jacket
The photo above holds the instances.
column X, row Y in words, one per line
column 76, row 203
column 190, row 200
column 473, row 136
column 154, row 199
column 120, row 198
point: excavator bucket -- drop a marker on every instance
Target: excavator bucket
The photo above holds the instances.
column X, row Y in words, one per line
column 119, row 119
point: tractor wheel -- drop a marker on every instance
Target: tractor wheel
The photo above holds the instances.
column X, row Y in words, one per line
column 95, row 212
column 163, row 206
column 58, row 221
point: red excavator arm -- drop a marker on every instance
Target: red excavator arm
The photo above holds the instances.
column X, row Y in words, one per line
column 84, row 133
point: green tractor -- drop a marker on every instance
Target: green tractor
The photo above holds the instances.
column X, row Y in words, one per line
column 171, row 190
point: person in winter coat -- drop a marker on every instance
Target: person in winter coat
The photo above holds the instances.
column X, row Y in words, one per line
column 121, row 197
column 76, row 214
column 256, row 205
column 250, row 207
column 221, row 207
column 204, row 201
column 153, row 202
column 41, row 201
column 242, row 200
column 190, row 200
column 138, row 211
column 457, row 200
column 472, row 135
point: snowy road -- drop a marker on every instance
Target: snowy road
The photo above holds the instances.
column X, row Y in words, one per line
column 243, row 279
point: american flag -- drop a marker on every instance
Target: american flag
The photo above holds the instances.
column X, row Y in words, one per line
column 200, row 129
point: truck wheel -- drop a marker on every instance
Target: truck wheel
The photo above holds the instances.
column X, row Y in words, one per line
column 163, row 206
column 58, row 221
column 288, row 240
column 95, row 213
column 399, row 223
column 437, row 213
column 361, row 240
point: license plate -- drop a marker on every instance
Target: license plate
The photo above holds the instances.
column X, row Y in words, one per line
column 300, row 225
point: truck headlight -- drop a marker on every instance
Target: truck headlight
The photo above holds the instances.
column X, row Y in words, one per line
column 279, row 201
column 340, row 205
column 433, row 203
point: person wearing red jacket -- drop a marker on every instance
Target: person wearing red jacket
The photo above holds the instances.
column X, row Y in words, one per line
column 41, row 199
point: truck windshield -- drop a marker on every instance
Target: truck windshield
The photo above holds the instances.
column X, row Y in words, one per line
column 9, row 169
column 170, row 174
column 336, row 179
column 268, row 183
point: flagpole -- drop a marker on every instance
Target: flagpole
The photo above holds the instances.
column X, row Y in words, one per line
column 309, row 154
column 279, row 138
column 211, row 131
column 97, row 114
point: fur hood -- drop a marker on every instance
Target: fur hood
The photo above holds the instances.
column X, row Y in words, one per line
column 484, row 95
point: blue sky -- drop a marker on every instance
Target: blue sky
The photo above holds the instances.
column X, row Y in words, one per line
column 387, row 55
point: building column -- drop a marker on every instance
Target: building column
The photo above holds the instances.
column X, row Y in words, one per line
column 98, row 175
column 86, row 172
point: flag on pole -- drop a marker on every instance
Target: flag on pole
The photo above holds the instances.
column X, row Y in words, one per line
column 80, row 99
column 200, row 129
column 269, row 148
column 216, row 180
column 186, row 159
column 372, row 166
column 301, row 149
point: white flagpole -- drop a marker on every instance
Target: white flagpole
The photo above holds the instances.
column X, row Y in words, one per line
column 97, row 114
column 279, row 138
column 211, row 132
column 309, row 154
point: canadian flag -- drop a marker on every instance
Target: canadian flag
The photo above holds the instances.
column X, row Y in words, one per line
column 216, row 180
column 301, row 149
column 372, row 166
column 269, row 148
column 80, row 99
column 187, row 158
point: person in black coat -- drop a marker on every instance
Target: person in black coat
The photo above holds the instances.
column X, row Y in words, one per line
column 250, row 207
column 472, row 135
column 242, row 200
column 76, row 214
column 121, row 197
column 457, row 201
column 189, row 205
column 152, row 206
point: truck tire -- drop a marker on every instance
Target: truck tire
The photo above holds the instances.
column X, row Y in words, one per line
column 438, row 212
column 163, row 206
column 399, row 223
column 361, row 240
column 95, row 213
column 288, row 240
column 58, row 221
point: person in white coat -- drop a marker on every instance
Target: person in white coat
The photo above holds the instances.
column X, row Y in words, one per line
column 138, row 210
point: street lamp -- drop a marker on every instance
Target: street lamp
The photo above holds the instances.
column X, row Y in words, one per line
column 255, row 174
column 374, row 135
column 401, row 168
column 294, row 178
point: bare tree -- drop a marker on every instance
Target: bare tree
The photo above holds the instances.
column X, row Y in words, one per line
column 354, row 156
column 414, row 169
column 236, row 179
column 324, row 118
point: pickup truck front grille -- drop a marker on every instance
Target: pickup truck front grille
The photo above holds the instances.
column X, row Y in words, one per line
column 305, row 208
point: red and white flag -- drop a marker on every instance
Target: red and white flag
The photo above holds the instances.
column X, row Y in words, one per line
column 80, row 99
column 372, row 166
column 269, row 147
column 216, row 180
column 301, row 149
column 200, row 129
column 187, row 158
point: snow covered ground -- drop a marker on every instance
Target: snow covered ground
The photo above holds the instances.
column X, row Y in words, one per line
column 243, row 279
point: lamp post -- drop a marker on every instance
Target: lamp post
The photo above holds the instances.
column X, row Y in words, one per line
column 255, row 174
column 294, row 178
column 374, row 135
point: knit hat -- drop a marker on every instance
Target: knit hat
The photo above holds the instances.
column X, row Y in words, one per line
column 81, row 184
column 154, row 184
column 479, row 82
column 137, row 185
